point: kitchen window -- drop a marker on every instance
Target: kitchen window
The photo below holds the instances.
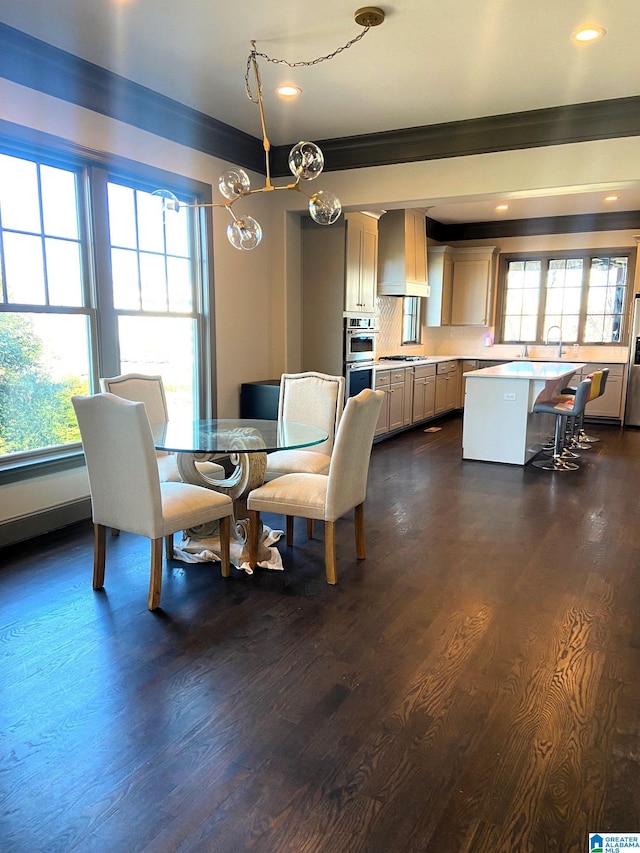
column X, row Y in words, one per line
column 79, row 302
column 584, row 294
column 411, row 310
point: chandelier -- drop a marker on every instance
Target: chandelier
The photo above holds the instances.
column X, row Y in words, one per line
column 306, row 160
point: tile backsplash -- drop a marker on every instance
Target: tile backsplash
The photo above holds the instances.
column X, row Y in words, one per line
column 468, row 340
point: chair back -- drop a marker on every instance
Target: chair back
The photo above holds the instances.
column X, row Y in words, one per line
column 582, row 397
column 121, row 463
column 349, row 469
column 141, row 389
column 313, row 398
column 596, row 385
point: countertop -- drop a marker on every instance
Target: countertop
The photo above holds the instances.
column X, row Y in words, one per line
column 428, row 359
column 527, row 370
column 490, row 356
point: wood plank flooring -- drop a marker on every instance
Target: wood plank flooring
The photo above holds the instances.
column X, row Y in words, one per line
column 472, row 687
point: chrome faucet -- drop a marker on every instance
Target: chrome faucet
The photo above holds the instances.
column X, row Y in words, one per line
column 546, row 340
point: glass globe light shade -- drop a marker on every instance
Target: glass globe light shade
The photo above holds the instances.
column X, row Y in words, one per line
column 306, row 161
column 244, row 233
column 234, row 183
column 169, row 200
column 324, row 207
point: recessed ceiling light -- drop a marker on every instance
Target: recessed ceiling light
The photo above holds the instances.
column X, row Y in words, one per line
column 590, row 33
column 611, row 198
column 287, row 91
column 501, row 208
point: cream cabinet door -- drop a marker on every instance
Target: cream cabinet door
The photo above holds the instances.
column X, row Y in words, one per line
column 361, row 263
column 470, row 292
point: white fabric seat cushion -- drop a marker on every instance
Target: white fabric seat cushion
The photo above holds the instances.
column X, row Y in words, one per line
column 302, row 495
column 297, row 461
column 184, row 506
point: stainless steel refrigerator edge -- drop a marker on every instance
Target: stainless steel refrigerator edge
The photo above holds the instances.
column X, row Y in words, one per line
column 632, row 408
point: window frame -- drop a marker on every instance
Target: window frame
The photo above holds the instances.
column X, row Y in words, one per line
column 587, row 255
column 414, row 313
column 94, row 169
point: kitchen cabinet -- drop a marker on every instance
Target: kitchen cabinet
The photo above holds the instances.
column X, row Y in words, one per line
column 392, row 413
column 424, row 393
column 609, row 405
column 447, row 387
column 407, row 419
column 402, row 253
column 438, row 310
column 472, row 286
column 361, row 263
column 338, row 278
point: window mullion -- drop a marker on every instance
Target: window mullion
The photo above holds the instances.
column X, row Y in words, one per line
column 108, row 358
column 542, row 304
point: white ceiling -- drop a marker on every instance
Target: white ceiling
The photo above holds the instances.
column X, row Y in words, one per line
column 427, row 63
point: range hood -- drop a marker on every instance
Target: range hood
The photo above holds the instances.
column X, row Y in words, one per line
column 402, row 253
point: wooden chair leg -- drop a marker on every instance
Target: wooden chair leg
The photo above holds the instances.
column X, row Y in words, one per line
column 254, row 526
column 289, row 531
column 168, row 547
column 155, row 581
column 99, row 554
column 330, row 552
column 225, row 545
column 359, row 529
column 309, row 528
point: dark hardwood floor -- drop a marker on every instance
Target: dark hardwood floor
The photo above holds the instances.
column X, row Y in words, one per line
column 472, row 687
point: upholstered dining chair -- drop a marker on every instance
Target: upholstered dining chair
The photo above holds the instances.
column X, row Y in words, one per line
column 125, row 487
column 308, row 398
column 148, row 389
column 326, row 497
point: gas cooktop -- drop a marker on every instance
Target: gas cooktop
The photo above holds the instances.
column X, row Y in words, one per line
column 401, row 358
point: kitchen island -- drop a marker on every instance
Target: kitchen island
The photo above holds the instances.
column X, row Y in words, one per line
column 499, row 424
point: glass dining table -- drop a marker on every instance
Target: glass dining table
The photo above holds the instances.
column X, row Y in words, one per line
column 244, row 442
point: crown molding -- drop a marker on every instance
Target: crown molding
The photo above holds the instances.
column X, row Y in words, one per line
column 530, row 129
column 40, row 66
column 616, row 221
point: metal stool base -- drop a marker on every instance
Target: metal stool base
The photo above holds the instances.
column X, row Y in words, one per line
column 555, row 465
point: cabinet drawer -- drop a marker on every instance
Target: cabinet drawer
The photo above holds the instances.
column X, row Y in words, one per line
column 398, row 375
column 424, row 370
column 383, row 378
column 447, row 366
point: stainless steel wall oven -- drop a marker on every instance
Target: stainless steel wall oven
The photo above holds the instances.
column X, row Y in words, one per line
column 359, row 339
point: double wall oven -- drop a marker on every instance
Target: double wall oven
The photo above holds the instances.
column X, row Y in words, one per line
column 359, row 353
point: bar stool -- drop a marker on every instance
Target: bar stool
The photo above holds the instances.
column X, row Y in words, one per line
column 599, row 380
column 563, row 407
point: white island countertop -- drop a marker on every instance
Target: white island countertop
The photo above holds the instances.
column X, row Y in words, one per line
column 499, row 424
column 528, row 370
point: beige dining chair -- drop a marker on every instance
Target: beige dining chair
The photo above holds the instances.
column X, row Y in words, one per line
column 149, row 389
column 326, row 496
column 125, row 487
column 308, row 398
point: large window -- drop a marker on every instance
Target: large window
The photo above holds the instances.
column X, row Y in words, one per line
column 79, row 302
column 582, row 297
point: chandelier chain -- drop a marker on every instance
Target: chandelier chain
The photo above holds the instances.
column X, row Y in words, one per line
column 254, row 54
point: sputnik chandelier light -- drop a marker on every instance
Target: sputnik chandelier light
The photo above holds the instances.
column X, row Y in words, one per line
column 306, row 160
